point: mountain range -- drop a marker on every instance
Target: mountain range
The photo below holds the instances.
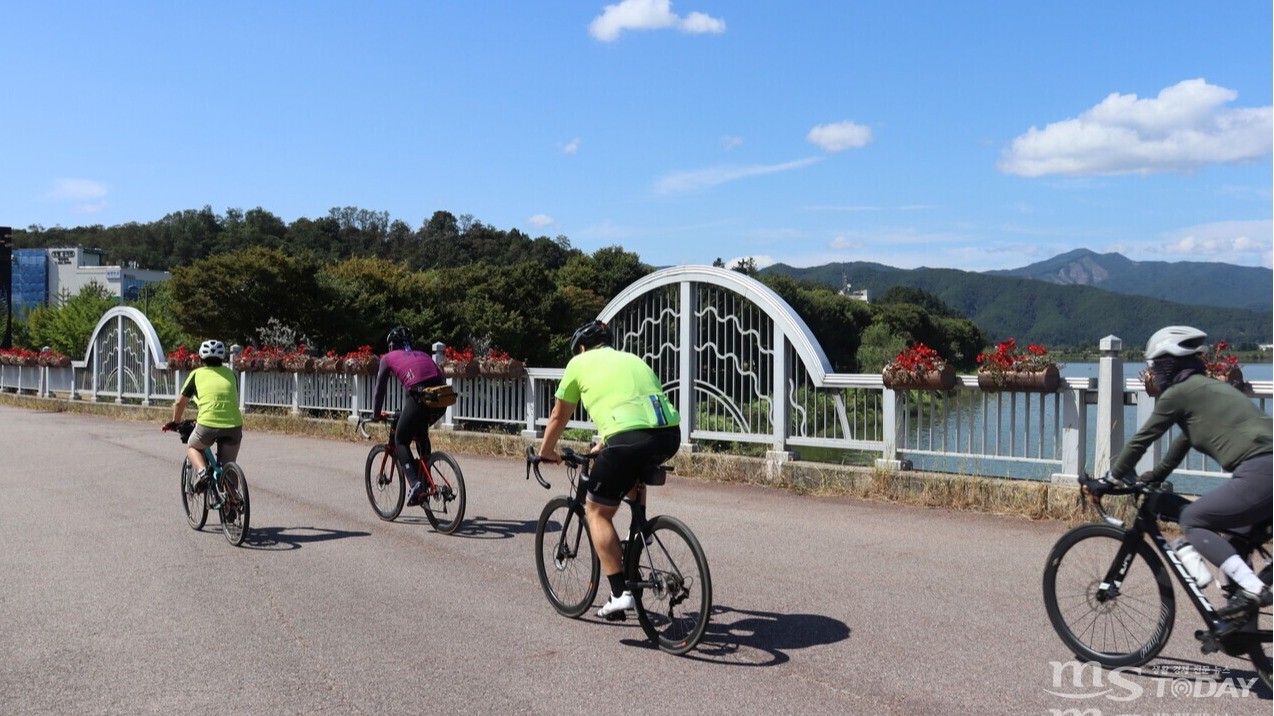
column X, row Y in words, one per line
column 1079, row 297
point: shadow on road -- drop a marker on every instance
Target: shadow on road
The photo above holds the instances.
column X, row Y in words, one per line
column 750, row 638
column 478, row 527
column 281, row 538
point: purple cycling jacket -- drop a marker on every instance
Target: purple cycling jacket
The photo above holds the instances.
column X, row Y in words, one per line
column 411, row 367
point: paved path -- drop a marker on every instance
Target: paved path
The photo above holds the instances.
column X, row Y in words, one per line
column 109, row 603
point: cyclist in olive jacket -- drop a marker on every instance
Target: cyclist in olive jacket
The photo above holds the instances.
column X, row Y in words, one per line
column 1223, row 424
column 638, row 428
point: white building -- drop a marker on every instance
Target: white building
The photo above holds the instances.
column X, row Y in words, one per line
column 40, row 275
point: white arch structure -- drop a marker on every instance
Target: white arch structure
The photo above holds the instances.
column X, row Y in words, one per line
column 122, row 356
column 719, row 340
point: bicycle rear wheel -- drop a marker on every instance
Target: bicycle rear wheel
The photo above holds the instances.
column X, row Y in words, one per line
column 386, row 488
column 1115, row 625
column 195, row 504
column 564, row 558
column 671, row 583
column 444, row 503
column 237, row 508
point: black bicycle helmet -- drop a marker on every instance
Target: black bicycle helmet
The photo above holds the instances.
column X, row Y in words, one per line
column 590, row 335
column 400, row 337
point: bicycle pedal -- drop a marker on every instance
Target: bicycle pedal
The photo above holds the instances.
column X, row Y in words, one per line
column 1209, row 644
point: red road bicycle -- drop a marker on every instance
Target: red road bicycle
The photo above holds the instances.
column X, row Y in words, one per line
column 444, row 497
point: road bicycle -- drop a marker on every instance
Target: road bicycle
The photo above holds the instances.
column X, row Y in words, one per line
column 444, row 495
column 1109, row 595
column 226, row 491
column 664, row 565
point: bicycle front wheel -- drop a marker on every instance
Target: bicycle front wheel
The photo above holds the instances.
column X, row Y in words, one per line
column 669, row 577
column 386, row 488
column 194, row 502
column 1125, row 623
column 237, row 508
column 565, row 559
column 444, row 502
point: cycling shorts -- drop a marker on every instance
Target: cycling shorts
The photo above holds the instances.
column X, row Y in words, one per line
column 226, row 439
column 627, row 457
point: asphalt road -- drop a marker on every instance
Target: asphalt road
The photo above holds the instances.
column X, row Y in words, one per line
column 110, row 603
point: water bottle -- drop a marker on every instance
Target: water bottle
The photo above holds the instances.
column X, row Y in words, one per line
column 1193, row 562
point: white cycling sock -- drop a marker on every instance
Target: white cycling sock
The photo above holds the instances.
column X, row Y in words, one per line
column 1241, row 574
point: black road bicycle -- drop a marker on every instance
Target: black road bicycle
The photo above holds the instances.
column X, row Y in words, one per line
column 1109, row 595
column 444, row 497
column 663, row 563
column 226, row 491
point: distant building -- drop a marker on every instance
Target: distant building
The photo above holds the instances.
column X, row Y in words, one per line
column 40, row 275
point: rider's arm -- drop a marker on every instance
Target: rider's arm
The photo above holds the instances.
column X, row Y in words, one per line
column 1164, row 417
column 378, row 394
column 1176, row 453
column 179, row 407
column 561, row 414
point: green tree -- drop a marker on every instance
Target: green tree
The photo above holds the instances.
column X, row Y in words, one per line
column 231, row 296
column 67, row 324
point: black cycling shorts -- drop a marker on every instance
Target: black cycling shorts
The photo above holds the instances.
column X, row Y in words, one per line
column 626, row 458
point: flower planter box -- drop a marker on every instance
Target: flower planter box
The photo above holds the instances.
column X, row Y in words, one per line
column 1047, row 380
column 502, row 370
column 328, row 364
column 367, row 365
column 944, row 379
column 298, row 364
column 453, row 369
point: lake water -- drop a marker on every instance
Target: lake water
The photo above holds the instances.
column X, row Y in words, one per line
column 1251, row 371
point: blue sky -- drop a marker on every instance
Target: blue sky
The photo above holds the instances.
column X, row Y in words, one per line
column 979, row 135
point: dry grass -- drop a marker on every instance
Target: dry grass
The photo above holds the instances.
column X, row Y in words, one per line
column 1016, row 498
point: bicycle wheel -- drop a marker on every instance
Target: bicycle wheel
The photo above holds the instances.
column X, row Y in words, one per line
column 444, row 503
column 237, row 508
column 194, row 503
column 671, row 584
column 386, row 488
column 1126, row 624
column 565, row 559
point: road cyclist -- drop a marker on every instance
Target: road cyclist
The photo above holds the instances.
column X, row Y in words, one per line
column 418, row 373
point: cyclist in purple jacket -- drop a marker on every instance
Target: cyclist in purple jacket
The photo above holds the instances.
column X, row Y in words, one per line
column 415, row 370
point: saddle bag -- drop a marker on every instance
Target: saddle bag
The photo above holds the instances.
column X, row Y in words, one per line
column 435, row 396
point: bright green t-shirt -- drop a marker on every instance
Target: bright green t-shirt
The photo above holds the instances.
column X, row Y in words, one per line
column 215, row 391
column 619, row 391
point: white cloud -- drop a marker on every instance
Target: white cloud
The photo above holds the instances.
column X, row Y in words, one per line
column 570, row 147
column 842, row 242
column 1237, row 242
column 839, row 136
column 729, row 142
column 1186, row 127
column 698, row 179
column 77, row 190
column 540, row 221
column 649, row 15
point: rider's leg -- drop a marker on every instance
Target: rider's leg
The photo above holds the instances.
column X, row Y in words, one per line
column 405, row 433
column 1243, row 500
column 605, row 539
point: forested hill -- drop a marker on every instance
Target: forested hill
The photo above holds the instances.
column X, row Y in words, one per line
column 1045, row 313
column 1193, row 282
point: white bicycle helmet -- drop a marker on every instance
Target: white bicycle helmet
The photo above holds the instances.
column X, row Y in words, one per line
column 1176, row 341
column 212, row 349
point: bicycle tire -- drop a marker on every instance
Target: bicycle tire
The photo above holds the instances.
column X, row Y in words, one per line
column 194, row 503
column 1129, row 629
column 568, row 578
column 671, row 584
column 444, row 504
column 236, row 509
column 386, row 488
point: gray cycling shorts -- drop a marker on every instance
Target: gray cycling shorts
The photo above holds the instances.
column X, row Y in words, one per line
column 226, row 439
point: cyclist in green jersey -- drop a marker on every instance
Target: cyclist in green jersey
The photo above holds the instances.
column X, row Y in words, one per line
column 215, row 392
column 638, row 429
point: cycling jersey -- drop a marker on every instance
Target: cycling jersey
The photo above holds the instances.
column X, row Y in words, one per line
column 619, row 391
column 216, row 393
column 413, row 368
column 1214, row 419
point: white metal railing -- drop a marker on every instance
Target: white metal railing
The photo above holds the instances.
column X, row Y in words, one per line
column 1017, row 435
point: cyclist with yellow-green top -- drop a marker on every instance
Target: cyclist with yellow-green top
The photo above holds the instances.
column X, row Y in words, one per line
column 638, row 428
column 215, row 391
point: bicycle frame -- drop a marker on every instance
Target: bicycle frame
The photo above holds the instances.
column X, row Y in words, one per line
column 422, row 463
